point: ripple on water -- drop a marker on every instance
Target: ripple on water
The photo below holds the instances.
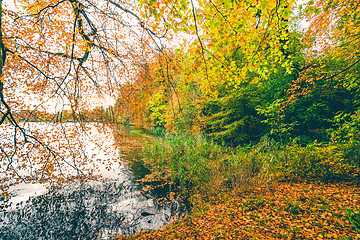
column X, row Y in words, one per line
column 92, row 211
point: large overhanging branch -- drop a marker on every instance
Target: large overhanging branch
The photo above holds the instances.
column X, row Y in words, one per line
column 60, row 46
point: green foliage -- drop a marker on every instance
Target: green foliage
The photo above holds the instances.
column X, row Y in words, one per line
column 255, row 107
column 189, row 158
column 347, row 135
column 315, row 112
column 192, row 161
column 347, row 127
column 232, row 119
column 273, row 119
column 156, row 106
column 188, row 113
column 294, row 207
column 354, row 218
column 195, row 163
column 157, row 131
column 320, row 161
column 254, row 80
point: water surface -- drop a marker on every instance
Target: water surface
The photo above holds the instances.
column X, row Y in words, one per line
column 90, row 209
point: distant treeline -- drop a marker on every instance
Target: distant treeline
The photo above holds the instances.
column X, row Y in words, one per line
column 98, row 114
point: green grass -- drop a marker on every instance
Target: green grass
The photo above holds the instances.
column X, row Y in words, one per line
column 190, row 159
column 354, row 218
column 197, row 164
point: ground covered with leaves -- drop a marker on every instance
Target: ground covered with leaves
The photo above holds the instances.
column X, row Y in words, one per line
column 303, row 210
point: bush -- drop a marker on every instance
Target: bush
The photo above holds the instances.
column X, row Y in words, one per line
column 196, row 164
column 347, row 136
column 352, row 152
column 190, row 159
column 320, row 161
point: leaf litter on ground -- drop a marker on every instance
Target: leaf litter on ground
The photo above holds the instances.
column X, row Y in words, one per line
column 283, row 210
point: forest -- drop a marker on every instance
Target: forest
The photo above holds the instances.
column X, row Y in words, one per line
column 252, row 108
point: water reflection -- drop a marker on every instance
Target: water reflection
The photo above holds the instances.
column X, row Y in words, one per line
column 87, row 210
column 138, row 169
column 91, row 211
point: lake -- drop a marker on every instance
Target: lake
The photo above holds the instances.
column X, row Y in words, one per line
column 92, row 208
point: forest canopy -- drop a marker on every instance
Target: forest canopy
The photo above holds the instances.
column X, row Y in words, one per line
column 255, row 68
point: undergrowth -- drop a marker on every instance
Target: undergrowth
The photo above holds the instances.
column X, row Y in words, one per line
column 199, row 165
column 257, row 191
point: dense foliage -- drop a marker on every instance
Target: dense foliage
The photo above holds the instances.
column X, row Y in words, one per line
column 245, row 78
column 256, row 97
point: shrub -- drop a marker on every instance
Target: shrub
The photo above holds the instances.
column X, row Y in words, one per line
column 321, row 161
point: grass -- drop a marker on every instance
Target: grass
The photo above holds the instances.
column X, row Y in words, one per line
column 190, row 161
column 251, row 192
column 202, row 166
column 354, row 218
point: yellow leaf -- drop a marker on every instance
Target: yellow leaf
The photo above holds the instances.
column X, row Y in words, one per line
column 253, row 20
column 272, row 4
